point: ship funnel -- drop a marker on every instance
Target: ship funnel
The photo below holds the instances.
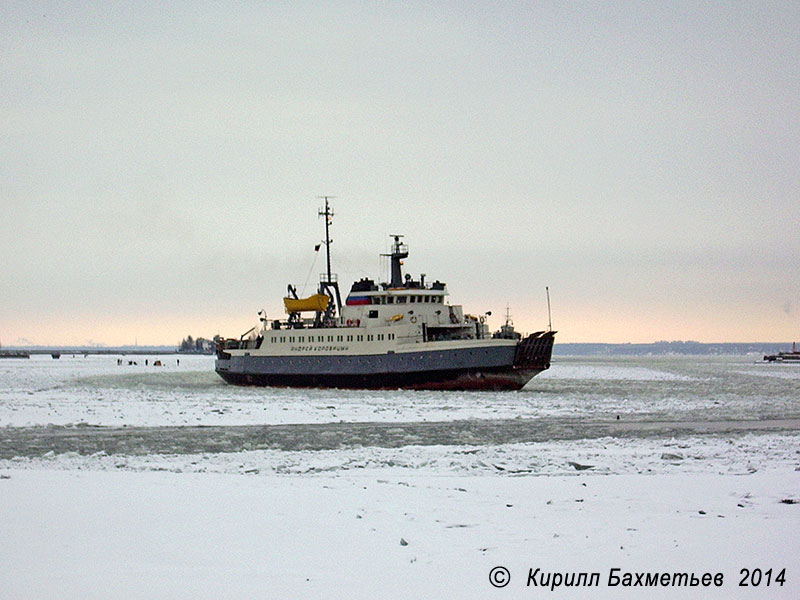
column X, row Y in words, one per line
column 399, row 252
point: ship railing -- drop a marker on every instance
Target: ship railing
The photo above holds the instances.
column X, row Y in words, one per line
column 312, row 324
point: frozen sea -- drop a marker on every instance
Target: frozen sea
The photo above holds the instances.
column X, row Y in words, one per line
column 137, row 481
column 95, row 390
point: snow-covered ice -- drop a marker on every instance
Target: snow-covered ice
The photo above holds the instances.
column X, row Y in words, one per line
column 95, row 390
column 415, row 521
column 101, row 534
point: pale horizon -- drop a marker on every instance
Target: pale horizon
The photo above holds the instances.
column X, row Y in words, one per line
column 161, row 165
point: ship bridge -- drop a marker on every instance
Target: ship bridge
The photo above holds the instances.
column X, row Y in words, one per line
column 415, row 304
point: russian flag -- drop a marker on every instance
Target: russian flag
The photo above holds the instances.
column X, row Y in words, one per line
column 358, row 300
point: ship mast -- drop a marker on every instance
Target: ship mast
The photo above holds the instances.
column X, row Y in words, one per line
column 328, row 281
column 327, row 213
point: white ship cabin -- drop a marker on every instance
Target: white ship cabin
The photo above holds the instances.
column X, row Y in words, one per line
column 415, row 306
column 412, row 313
column 401, row 311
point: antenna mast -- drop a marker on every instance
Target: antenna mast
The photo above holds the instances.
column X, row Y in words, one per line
column 549, row 318
column 327, row 213
column 328, row 281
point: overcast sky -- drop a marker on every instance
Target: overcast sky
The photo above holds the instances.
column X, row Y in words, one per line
column 160, row 163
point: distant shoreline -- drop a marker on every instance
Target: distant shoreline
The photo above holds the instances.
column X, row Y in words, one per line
column 67, row 350
column 688, row 348
column 670, row 348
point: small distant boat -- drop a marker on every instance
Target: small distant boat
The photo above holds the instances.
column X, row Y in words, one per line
column 55, row 354
column 793, row 356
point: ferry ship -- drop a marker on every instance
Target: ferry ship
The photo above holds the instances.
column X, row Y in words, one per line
column 399, row 334
column 793, row 356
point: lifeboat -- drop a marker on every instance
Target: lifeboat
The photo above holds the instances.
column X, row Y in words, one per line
column 315, row 303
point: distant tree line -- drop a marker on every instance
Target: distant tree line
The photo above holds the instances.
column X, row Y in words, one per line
column 199, row 345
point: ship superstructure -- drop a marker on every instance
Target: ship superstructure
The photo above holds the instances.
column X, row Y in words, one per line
column 793, row 356
column 399, row 334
